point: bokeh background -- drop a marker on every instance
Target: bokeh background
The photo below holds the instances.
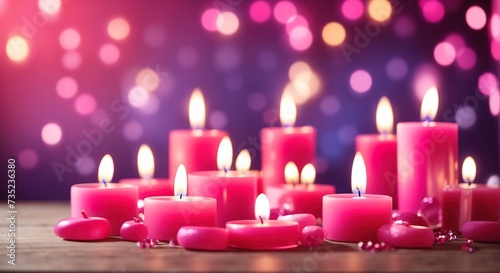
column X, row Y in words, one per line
column 125, row 69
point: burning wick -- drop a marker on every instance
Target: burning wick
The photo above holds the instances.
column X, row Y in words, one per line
column 224, row 169
column 261, row 220
column 359, row 192
column 180, row 196
column 104, row 182
column 427, row 119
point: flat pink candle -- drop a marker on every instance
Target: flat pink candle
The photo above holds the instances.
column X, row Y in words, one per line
column 134, row 230
column 202, row 238
column 83, row 228
column 482, row 231
column 406, row 236
column 427, row 156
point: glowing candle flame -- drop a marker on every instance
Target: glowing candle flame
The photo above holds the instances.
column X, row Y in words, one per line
column 288, row 110
column 291, row 173
column 430, row 104
column 262, row 207
column 308, row 174
column 106, row 169
column 145, row 162
column 384, row 116
column 225, row 154
column 180, row 182
column 469, row 170
column 243, row 161
column 197, row 110
column 358, row 174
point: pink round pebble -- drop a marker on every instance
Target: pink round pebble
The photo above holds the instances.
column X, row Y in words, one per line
column 411, row 218
column 83, row 228
column 202, row 238
column 482, row 231
column 303, row 219
column 406, row 236
column 312, row 236
column 134, row 230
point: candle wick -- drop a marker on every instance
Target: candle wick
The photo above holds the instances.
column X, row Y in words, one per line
column 359, row 192
column 261, row 220
column 84, row 214
column 224, row 168
column 104, row 182
column 469, row 182
column 180, row 195
column 427, row 119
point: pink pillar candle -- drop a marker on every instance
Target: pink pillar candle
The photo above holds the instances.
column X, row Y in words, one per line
column 350, row 218
column 115, row 202
column 150, row 187
column 165, row 215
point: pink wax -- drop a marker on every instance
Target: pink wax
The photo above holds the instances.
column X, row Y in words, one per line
column 202, row 238
column 196, row 149
column 300, row 198
column 115, row 202
column 234, row 191
column 482, row 231
column 266, row 235
column 380, row 155
column 83, row 228
column 151, row 187
column 303, row 219
column 165, row 215
column 463, row 203
column 312, row 236
column 406, row 236
column 282, row 145
column 427, row 161
column 349, row 218
column 134, row 230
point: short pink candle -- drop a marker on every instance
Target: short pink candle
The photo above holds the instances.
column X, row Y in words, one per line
column 380, row 154
column 262, row 234
column 202, row 238
column 355, row 217
column 83, row 228
column 406, row 236
column 134, row 230
column 482, row 231
column 427, row 156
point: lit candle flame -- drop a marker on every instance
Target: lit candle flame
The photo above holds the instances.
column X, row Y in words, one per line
column 288, row 110
column 384, row 116
column 145, row 162
column 243, row 161
column 262, row 208
column 225, row 154
column 308, row 174
column 180, row 182
column 358, row 174
column 291, row 173
column 197, row 110
column 106, row 169
column 430, row 104
column 469, row 170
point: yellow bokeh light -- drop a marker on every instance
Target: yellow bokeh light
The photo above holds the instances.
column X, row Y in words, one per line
column 118, row 29
column 17, row 48
column 227, row 23
column 333, row 34
column 380, row 10
column 147, row 78
column 296, row 68
column 49, row 7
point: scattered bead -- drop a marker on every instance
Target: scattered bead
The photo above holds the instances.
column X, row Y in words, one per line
column 375, row 247
column 148, row 243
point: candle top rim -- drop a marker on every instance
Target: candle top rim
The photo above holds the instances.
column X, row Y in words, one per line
column 472, row 186
column 109, row 185
column 421, row 124
column 382, row 137
column 368, row 196
column 257, row 224
column 302, row 187
column 176, row 198
column 221, row 174
column 138, row 180
column 307, row 129
column 200, row 132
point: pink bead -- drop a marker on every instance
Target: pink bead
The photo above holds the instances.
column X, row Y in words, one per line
column 303, row 219
column 134, row 231
column 202, row 238
column 312, row 236
column 482, row 231
column 430, row 208
column 83, row 228
column 411, row 218
column 406, row 236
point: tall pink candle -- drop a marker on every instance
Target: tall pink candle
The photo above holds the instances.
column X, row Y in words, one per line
column 282, row 145
column 427, row 156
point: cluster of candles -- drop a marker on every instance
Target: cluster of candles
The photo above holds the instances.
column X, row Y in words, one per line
column 209, row 206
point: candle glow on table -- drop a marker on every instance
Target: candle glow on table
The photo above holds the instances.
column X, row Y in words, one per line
column 83, row 228
column 427, row 156
column 243, row 163
column 380, row 154
column 262, row 234
column 196, row 148
column 355, row 218
column 165, row 215
column 235, row 191
column 282, row 145
column 115, row 202
column 469, row 201
column 147, row 185
column 299, row 194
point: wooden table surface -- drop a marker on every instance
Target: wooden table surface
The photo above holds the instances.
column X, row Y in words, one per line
column 38, row 249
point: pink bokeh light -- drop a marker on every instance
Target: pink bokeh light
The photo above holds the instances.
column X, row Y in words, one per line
column 300, row 38
column 27, row 158
column 432, row 10
column 360, row 81
column 85, row 104
column 51, row 133
column 109, row 54
column 209, row 19
column 487, row 83
column 296, row 21
column 352, row 9
column 456, row 40
column 444, row 53
column 69, row 39
column 475, row 17
column 66, row 87
column 283, row 11
column 466, row 58
column 71, row 60
column 260, row 11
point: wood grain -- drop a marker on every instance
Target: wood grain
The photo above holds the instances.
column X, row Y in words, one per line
column 38, row 249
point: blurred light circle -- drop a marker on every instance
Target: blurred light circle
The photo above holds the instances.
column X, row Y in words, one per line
column 227, row 58
column 49, row 7
column 69, row 39
column 379, row 10
column 152, row 105
column 132, row 130
column 404, row 26
column 396, row 69
column 187, row 56
column 333, row 34
column 109, row 54
column 66, row 87
column 466, row 58
column 330, row 105
column 296, row 68
column 118, row 28
column 495, row 27
column 352, row 9
column 256, row 101
column 148, row 79
column 51, row 133
column 217, row 120
column 487, row 83
column 227, row 23
column 283, row 11
column 296, row 21
column 138, row 96
column 209, row 19
column 260, row 11
column 85, row 104
column 465, row 117
column 300, row 38
column 444, row 53
column 17, row 49
column 456, row 40
column 154, row 36
column 85, row 165
column 360, row 81
column 475, row 17
column 493, row 180
column 426, row 76
column 27, row 158
column 494, row 102
column 433, row 11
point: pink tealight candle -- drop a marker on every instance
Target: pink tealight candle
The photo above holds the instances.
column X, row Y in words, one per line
column 427, row 156
column 83, row 229
column 235, row 191
column 196, row 148
column 262, row 234
column 355, row 218
column 147, row 185
column 299, row 195
column 482, row 231
column 469, row 201
column 202, row 238
column 165, row 215
column 115, row 202
column 406, row 236
column 379, row 152
column 282, row 145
